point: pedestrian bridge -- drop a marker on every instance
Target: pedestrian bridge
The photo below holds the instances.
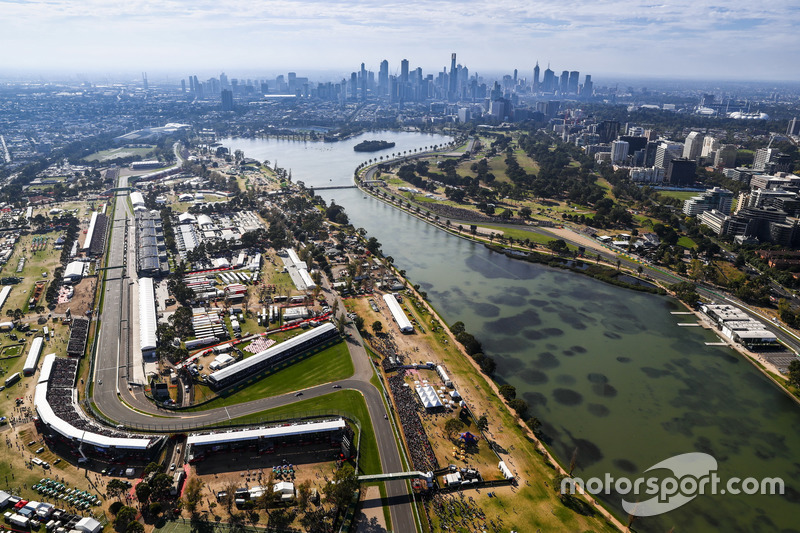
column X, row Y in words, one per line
column 395, row 476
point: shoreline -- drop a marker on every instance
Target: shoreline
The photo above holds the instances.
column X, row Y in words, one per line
column 538, row 446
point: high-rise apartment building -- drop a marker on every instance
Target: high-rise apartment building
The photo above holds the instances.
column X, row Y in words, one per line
column 619, row 151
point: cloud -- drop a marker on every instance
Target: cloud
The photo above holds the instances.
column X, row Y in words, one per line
column 679, row 37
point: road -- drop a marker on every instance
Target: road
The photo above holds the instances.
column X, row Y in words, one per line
column 611, row 257
column 111, row 392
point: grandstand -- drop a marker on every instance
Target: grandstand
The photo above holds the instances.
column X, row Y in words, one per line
column 77, row 337
column 272, row 356
column 64, row 425
column 333, row 433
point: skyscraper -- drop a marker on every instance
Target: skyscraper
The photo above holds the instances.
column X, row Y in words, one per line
column 383, row 78
column 588, row 86
column 619, row 151
column 549, row 81
column 693, row 146
column 451, row 91
column 794, row 127
column 227, row 100
column 536, row 77
column 404, row 71
column 564, row 87
column 573, row 82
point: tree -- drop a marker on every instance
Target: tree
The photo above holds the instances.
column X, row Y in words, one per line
column 483, row 423
column 377, row 327
column 134, row 527
column 339, row 491
column 373, row 246
column 453, row 426
column 557, row 245
column 359, row 322
column 303, row 495
column 125, row 516
column 509, row 392
column 525, row 212
column 116, row 488
column 193, row 493
column 143, row 492
column 520, row 406
column 794, row 373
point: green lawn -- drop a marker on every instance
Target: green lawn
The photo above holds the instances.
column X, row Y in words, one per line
column 122, row 151
column 680, row 195
column 349, row 401
column 331, row 364
column 686, row 242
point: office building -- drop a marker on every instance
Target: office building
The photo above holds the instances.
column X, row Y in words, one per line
column 588, row 87
column 536, row 77
column 794, row 127
column 549, row 81
column 619, row 151
column 564, row 85
column 653, row 175
column 666, row 152
column 693, row 146
column 710, row 145
column 607, row 130
column 681, row 172
column 725, row 156
column 716, row 198
column 227, row 100
column 573, row 81
column 383, row 78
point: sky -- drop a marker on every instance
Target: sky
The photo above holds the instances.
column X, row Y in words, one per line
column 691, row 39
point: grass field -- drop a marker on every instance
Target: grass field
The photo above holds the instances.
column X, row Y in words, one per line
column 349, row 401
column 686, row 242
column 115, row 153
column 329, row 365
column 680, row 195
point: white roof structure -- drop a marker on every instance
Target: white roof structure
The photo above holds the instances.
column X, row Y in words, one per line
column 137, row 199
column 204, row 220
column 47, row 367
column 399, row 315
column 273, row 351
column 4, row 295
column 75, row 270
column 292, row 255
column 89, row 525
column 428, row 397
column 271, row 432
column 147, row 315
column 87, row 242
column 48, row 417
column 188, row 236
column 186, row 218
column 33, row 356
column 306, row 277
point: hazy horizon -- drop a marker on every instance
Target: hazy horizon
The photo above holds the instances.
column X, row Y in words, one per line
column 689, row 40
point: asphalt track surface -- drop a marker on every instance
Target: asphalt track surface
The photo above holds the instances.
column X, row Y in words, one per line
column 129, row 407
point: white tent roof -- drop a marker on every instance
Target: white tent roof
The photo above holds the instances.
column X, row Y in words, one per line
column 33, row 356
column 147, row 315
column 428, row 397
column 399, row 315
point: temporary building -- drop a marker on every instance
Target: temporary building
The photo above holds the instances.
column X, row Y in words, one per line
column 33, row 356
column 428, row 397
column 147, row 317
column 399, row 315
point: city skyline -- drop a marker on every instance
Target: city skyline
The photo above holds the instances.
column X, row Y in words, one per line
column 687, row 40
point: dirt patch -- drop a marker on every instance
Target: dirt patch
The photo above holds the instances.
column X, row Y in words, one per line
column 81, row 300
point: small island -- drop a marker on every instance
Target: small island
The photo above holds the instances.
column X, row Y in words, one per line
column 372, row 146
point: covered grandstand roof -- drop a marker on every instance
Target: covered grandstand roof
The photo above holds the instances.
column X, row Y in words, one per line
column 47, row 367
column 87, row 242
column 147, row 315
column 269, row 432
column 48, row 417
column 235, row 368
column 4, row 295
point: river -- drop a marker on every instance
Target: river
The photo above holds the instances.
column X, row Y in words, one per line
column 608, row 370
